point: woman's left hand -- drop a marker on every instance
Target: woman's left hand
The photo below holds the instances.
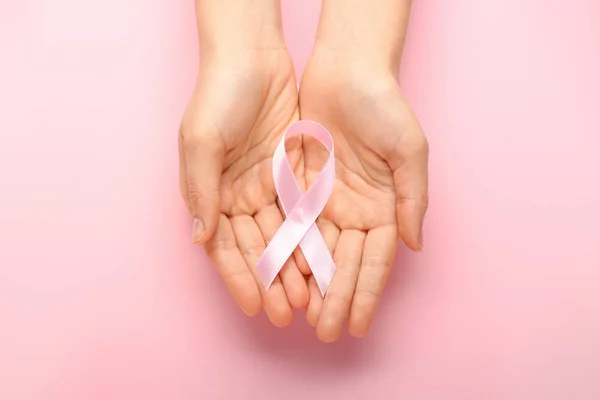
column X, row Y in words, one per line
column 380, row 192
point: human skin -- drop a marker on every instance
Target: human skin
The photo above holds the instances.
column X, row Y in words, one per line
column 350, row 85
column 244, row 99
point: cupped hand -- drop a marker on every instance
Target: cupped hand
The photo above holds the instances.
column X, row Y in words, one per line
column 380, row 193
column 242, row 103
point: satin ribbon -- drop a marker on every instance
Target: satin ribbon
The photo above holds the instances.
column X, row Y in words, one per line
column 301, row 210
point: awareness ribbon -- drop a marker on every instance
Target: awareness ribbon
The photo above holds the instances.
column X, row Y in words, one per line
column 301, row 210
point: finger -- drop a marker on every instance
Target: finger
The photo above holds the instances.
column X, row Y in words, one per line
column 301, row 262
column 409, row 165
column 252, row 244
column 183, row 187
column 269, row 220
column 316, row 302
column 336, row 306
column 223, row 251
column 377, row 260
column 330, row 233
column 203, row 164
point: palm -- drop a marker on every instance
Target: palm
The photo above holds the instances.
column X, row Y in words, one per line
column 363, row 198
column 360, row 221
column 249, row 111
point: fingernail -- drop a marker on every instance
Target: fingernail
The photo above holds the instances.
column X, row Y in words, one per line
column 197, row 230
column 421, row 239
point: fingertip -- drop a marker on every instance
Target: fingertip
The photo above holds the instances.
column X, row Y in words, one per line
column 359, row 323
column 251, row 308
column 410, row 231
column 359, row 326
column 315, row 303
column 326, row 339
column 281, row 317
column 358, row 333
column 247, row 297
column 299, row 300
column 412, row 243
column 277, row 305
column 294, row 285
column 301, row 262
column 301, row 296
column 244, row 290
column 328, row 330
column 360, row 316
column 311, row 319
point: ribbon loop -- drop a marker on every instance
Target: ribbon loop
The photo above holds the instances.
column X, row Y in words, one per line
column 301, row 210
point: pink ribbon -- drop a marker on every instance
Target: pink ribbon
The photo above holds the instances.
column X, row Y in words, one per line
column 301, row 210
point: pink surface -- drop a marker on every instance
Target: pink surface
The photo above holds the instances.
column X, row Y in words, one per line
column 102, row 295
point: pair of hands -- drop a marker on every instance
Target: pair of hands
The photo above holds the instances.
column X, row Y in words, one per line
column 241, row 106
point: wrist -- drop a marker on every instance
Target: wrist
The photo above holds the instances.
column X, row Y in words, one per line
column 372, row 32
column 250, row 40
column 235, row 64
column 230, row 26
column 372, row 54
column 351, row 62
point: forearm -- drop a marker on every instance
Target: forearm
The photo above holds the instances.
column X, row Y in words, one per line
column 373, row 30
column 234, row 25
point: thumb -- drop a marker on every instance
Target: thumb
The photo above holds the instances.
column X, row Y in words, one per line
column 201, row 163
column 409, row 164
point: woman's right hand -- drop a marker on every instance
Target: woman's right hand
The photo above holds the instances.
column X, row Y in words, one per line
column 242, row 103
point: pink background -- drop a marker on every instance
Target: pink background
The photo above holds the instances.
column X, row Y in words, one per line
column 102, row 295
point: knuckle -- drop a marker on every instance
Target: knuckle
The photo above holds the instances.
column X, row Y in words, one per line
column 344, row 262
column 419, row 146
column 195, row 140
column 193, row 191
column 375, row 264
column 244, row 204
column 188, row 134
column 351, row 220
column 233, row 274
column 194, row 194
column 407, row 198
column 199, row 196
column 412, row 196
column 253, row 251
column 425, row 201
column 221, row 245
column 339, row 300
column 422, row 144
column 366, row 298
column 415, row 145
